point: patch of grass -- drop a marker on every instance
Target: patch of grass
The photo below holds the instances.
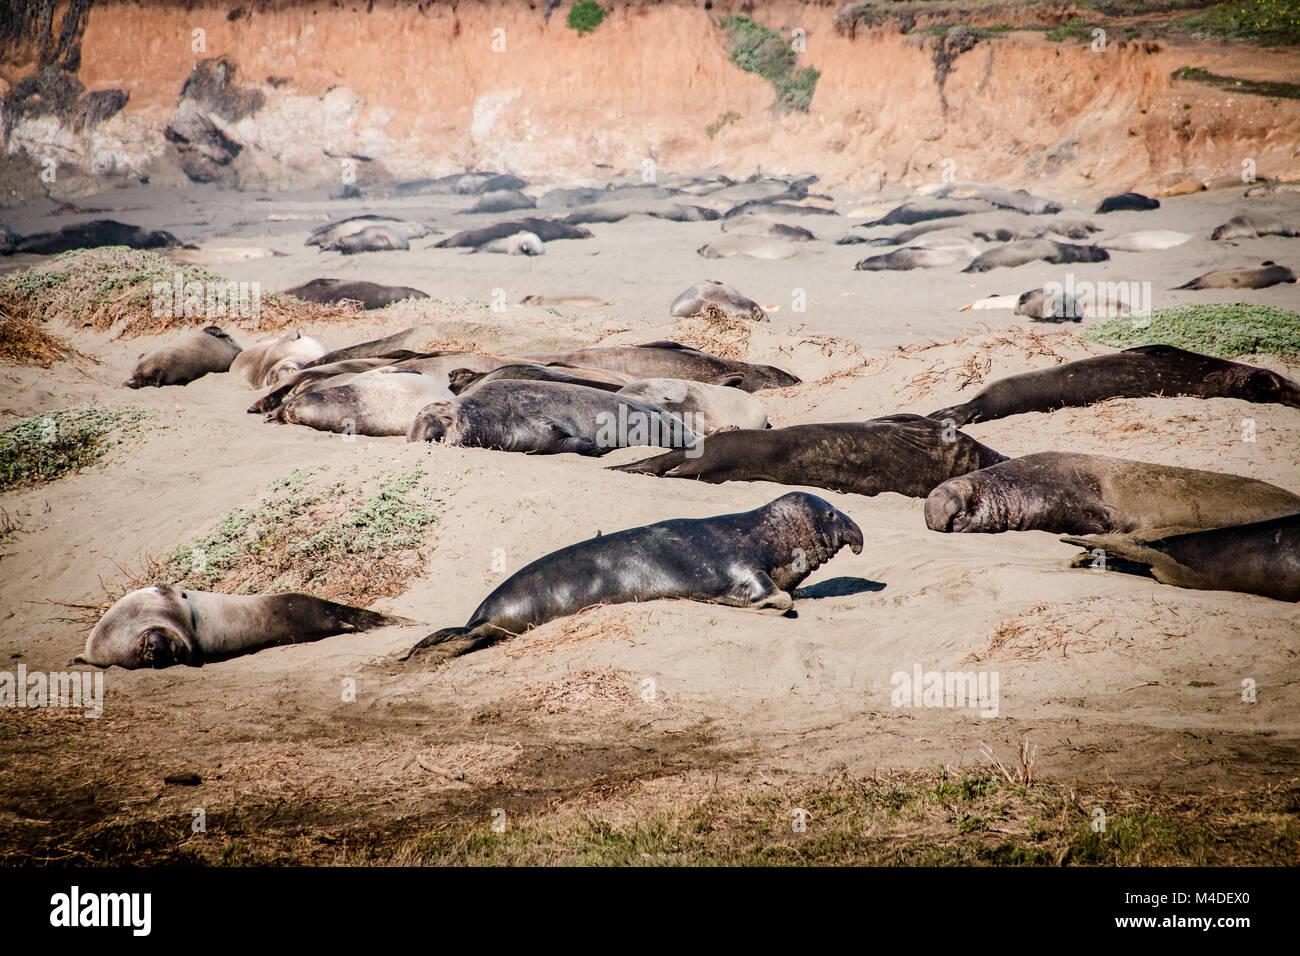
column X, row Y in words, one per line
column 585, row 16
column 1290, row 91
column 760, row 50
column 1274, row 22
column 716, row 126
column 1075, row 29
column 330, row 538
column 905, row 818
column 43, row 447
column 1226, row 330
column 112, row 287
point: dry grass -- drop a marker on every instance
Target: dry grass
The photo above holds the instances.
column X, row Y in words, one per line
column 716, row 332
column 24, row 342
column 599, row 622
column 1063, row 630
column 980, row 348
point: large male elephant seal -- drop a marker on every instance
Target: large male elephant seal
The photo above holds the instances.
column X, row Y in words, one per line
column 1132, row 202
column 371, row 295
column 1258, row 558
column 1140, row 372
column 547, row 418
column 754, row 559
column 1267, row 274
column 165, row 625
column 268, row 361
column 906, row 454
column 381, row 402
column 1023, row 251
column 1253, row 225
column 731, row 301
column 670, row 360
column 1069, row 493
column 192, row 356
column 708, row 408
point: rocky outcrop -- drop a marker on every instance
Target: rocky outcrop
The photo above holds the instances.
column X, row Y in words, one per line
column 209, row 103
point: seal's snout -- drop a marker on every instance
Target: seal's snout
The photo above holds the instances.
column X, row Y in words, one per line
column 850, row 534
column 941, row 508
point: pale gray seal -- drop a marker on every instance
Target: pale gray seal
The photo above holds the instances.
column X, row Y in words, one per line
column 192, row 356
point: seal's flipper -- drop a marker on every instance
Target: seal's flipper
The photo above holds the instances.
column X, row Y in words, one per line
column 659, row 465
column 757, row 592
column 452, row 642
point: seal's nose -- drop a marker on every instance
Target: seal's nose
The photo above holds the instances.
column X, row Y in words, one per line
column 850, row 533
column 941, row 507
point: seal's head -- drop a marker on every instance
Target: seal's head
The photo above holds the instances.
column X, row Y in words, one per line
column 952, row 506
column 432, row 422
column 151, row 627
column 1265, row 385
column 806, row 532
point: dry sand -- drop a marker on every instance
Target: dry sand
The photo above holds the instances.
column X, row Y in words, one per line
column 1114, row 677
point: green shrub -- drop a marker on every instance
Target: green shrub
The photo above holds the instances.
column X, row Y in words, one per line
column 1268, row 21
column 585, row 16
column 766, row 53
column 1227, row 330
column 43, row 447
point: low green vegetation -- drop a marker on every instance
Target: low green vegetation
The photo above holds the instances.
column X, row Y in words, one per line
column 765, row 52
column 332, row 538
column 1274, row 22
column 1290, row 91
column 909, row 819
column 1226, row 330
column 585, row 16
column 716, row 126
column 45, row 446
column 1075, row 29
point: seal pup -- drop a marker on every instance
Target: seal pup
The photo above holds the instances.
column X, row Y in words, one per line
column 1268, row 273
column 381, row 402
column 520, row 244
column 263, row 364
column 754, row 559
column 1133, row 202
column 670, row 360
column 371, row 295
column 905, row 454
column 1024, row 251
column 751, row 247
column 1253, row 225
column 167, row 624
column 190, row 357
column 1262, row 557
column 1147, row 240
column 730, row 301
column 547, row 418
column 370, row 239
column 1069, row 493
column 708, row 408
column 1142, row 372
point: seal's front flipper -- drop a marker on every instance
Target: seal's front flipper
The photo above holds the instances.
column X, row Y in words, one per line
column 760, row 593
column 452, row 642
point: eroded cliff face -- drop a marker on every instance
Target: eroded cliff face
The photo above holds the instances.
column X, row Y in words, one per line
column 392, row 91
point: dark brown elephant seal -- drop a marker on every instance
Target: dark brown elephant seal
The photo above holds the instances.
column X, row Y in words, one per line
column 1068, row 493
column 462, row 380
column 1147, row 370
column 371, row 295
column 546, row 230
column 1127, row 202
column 1253, row 225
column 547, row 418
column 754, row 559
column 906, row 454
column 1266, row 274
column 190, row 357
column 409, row 340
column 165, row 625
column 1023, row 251
column 1258, row 558
column 671, row 360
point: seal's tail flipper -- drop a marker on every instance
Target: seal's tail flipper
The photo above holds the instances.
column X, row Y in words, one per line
column 658, row 465
column 957, row 413
column 451, row 642
column 349, row 618
column 1117, row 552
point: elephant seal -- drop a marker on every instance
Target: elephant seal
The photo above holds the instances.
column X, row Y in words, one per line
column 1262, row 557
column 90, row 235
column 694, row 300
column 371, row 295
column 571, row 301
column 911, row 213
column 370, row 239
column 751, row 247
column 461, row 380
column 708, row 408
column 1068, row 493
column 315, row 378
column 752, row 225
column 1267, row 274
column 906, row 454
column 1141, row 372
column 776, row 210
column 1133, row 202
column 1023, row 251
column 1253, row 225
column 1147, row 240
column 408, row 339
column 520, row 244
column 569, row 198
column 381, row 402
column 547, row 418
column 265, row 363
column 1020, row 200
column 903, row 260
column 190, row 357
column 618, row 210
column 754, row 559
column 501, row 200
column 546, row 230
column 332, row 232
column 165, row 625
column 1041, row 307
column 670, row 360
